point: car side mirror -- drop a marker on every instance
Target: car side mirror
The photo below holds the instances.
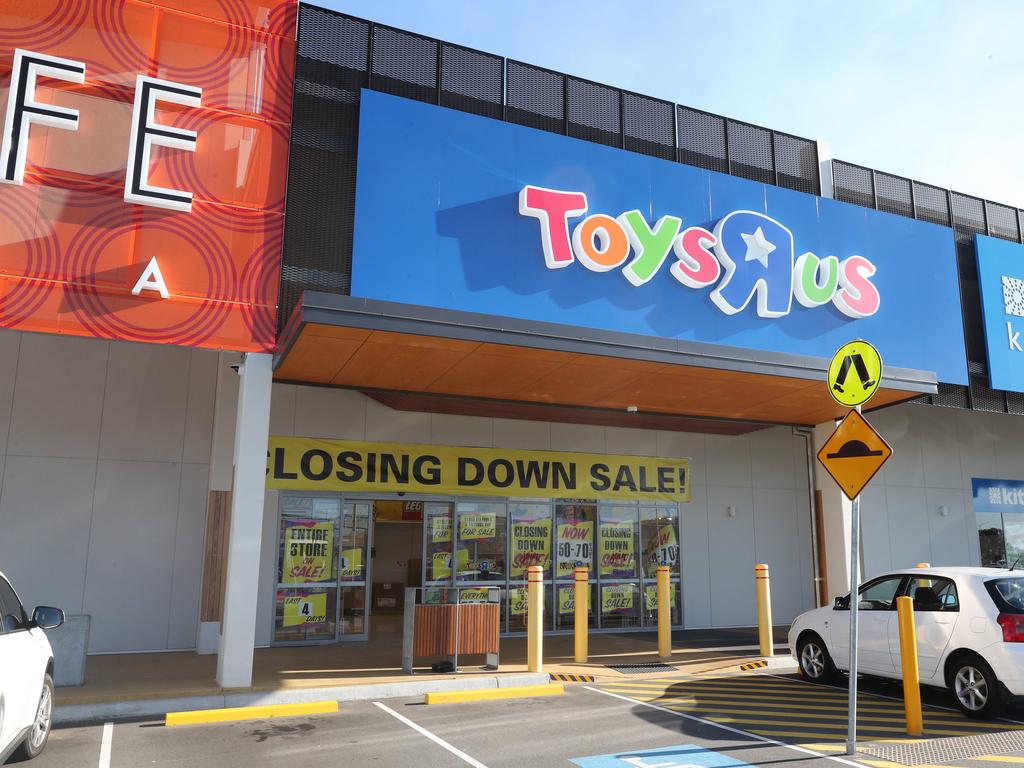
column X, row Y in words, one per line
column 46, row 617
column 841, row 603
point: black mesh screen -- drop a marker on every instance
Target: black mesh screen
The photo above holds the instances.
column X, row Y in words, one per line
column 796, row 163
column 1002, row 222
column 535, row 97
column 983, row 397
column 330, row 68
column 404, row 64
column 702, row 140
column 951, row 396
column 893, row 194
column 1015, row 403
column 853, row 184
column 648, row 126
column 750, row 152
column 472, row 81
column 594, row 112
column 932, row 203
column 968, row 220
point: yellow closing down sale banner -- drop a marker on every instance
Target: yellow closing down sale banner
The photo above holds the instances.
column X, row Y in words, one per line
column 310, row 464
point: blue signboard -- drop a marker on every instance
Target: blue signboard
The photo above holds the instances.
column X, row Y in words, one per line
column 463, row 212
column 682, row 756
column 1001, row 282
column 997, row 495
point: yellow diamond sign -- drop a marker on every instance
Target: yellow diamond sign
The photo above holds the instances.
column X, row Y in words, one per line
column 853, row 454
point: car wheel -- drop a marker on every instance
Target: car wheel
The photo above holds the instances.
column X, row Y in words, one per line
column 40, row 732
column 976, row 689
column 815, row 663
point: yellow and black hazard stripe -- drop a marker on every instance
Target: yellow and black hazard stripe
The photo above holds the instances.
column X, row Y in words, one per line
column 759, row 664
column 565, row 677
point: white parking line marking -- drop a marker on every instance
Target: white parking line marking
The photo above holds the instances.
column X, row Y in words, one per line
column 436, row 739
column 108, row 735
column 729, row 728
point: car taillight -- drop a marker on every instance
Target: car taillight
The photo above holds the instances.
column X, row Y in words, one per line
column 1013, row 627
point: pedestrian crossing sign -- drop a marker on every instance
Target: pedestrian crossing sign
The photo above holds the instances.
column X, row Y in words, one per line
column 854, row 373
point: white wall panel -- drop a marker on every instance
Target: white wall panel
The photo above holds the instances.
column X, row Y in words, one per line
column 447, row 429
column 940, row 446
column 771, row 458
column 10, row 348
column 577, row 437
column 282, row 409
column 45, row 513
column 948, row 545
column 696, row 565
column 775, row 519
column 144, row 402
column 524, row 435
column 338, row 414
column 731, row 556
column 908, row 526
column 386, row 425
column 874, row 531
column 202, row 392
column 58, row 397
column 187, row 568
column 728, row 460
column 268, row 570
column 631, row 442
column 131, row 555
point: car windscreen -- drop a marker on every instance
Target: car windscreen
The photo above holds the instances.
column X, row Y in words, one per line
column 1007, row 593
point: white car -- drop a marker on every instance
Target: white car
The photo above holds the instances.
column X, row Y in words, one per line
column 970, row 633
column 26, row 675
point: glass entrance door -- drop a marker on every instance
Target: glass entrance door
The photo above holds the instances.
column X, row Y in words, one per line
column 354, row 576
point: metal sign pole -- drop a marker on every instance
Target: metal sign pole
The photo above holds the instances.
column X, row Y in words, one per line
column 851, row 734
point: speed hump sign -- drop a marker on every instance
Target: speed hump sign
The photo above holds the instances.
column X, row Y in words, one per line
column 854, row 373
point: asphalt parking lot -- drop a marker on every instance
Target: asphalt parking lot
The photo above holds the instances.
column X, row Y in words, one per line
column 650, row 722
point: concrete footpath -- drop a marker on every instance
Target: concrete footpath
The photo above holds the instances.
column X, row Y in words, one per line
column 128, row 686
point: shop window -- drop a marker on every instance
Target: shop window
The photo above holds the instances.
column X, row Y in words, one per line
column 306, row 606
column 990, row 536
column 438, row 545
column 575, row 525
column 481, row 536
column 659, row 541
column 1013, row 537
column 617, row 566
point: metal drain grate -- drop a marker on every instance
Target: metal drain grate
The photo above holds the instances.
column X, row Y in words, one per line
column 947, row 750
column 640, row 669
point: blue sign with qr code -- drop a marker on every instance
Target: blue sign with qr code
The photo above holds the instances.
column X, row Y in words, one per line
column 681, row 756
column 1001, row 283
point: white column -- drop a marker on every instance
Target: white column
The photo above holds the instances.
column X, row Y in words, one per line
column 825, row 170
column 252, row 426
column 837, row 514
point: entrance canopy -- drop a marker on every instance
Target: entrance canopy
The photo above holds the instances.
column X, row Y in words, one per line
column 420, row 358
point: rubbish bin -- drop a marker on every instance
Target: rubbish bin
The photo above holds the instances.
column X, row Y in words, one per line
column 70, row 643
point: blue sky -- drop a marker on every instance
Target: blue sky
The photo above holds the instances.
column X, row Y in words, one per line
column 931, row 90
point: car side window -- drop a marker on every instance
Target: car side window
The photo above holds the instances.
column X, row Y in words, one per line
column 879, row 595
column 933, row 594
column 12, row 615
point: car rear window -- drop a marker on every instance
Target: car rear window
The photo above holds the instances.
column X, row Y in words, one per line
column 1007, row 593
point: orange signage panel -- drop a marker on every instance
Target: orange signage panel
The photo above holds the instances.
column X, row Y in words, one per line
column 142, row 168
column 854, row 454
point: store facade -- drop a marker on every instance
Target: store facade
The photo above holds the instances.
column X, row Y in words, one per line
column 506, row 317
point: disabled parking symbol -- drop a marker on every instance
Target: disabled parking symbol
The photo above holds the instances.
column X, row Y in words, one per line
column 681, row 756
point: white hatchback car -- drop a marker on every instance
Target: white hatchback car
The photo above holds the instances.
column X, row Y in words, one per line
column 970, row 633
column 26, row 675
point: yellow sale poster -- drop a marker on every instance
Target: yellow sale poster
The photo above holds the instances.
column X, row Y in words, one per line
column 475, row 595
column 308, row 551
column 477, row 525
column 617, row 554
column 566, row 600
column 352, row 563
column 662, row 548
column 531, row 545
column 305, row 608
column 442, row 562
column 517, row 601
column 575, row 545
column 440, row 528
column 651, row 596
column 616, row 598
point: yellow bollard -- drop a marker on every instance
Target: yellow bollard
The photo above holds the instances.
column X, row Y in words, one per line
column 535, row 618
column 924, row 565
column 764, row 610
column 908, row 656
column 582, row 598
column 664, row 614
